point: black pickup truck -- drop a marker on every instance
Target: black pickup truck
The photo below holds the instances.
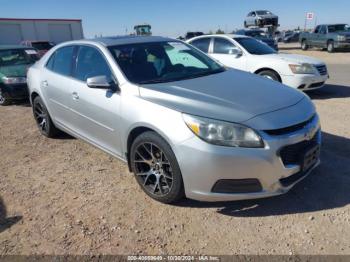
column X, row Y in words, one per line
column 331, row 36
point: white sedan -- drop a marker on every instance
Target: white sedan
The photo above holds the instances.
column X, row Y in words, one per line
column 248, row 54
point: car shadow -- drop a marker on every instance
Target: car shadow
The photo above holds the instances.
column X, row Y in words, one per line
column 328, row 187
column 329, row 91
column 6, row 222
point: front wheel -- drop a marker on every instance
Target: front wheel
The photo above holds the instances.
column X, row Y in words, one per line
column 330, row 46
column 270, row 75
column 304, row 45
column 4, row 100
column 43, row 119
column 156, row 169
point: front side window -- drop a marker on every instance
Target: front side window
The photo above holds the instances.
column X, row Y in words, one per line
column 202, row 44
column 91, row 63
column 254, row 46
column 323, row 30
column 160, row 62
column 222, row 46
column 62, row 61
column 13, row 57
column 317, row 29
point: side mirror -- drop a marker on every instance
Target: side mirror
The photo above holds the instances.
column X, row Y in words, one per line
column 100, row 82
column 236, row 52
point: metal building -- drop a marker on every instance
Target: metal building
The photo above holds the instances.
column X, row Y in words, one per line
column 15, row 30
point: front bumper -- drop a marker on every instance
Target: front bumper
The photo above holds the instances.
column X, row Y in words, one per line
column 203, row 165
column 304, row 82
column 15, row 91
column 342, row 44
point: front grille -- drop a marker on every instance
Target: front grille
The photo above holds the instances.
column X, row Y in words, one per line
column 316, row 85
column 322, row 69
column 292, row 154
column 231, row 186
column 289, row 129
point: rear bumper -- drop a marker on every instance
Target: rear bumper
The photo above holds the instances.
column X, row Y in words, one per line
column 19, row 91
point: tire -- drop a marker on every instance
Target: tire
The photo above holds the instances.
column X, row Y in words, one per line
column 304, row 45
column 43, row 119
column 330, row 47
column 270, row 75
column 156, row 169
column 4, row 100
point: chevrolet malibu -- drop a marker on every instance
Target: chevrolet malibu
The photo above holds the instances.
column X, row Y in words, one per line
column 184, row 124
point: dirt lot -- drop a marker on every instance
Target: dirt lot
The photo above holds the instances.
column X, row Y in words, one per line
column 63, row 196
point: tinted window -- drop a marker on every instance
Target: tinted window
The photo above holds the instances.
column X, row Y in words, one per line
column 323, row 30
column 254, row 46
column 338, row 28
column 90, row 63
column 62, row 63
column 317, row 29
column 42, row 45
column 202, row 44
column 13, row 57
column 222, row 46
column 162, row 62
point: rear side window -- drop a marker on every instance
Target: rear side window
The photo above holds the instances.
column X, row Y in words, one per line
column 61, row 61
column 222, row 46
column 202, row 44
column 90, row 63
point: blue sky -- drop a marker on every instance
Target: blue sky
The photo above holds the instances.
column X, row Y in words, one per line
column 173, row 18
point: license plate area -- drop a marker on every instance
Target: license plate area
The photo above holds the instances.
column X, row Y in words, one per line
column 310, row 157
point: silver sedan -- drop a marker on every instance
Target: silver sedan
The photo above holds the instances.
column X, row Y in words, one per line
column 186, row 125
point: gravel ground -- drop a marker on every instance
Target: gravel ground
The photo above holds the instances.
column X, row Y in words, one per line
column 63, row 196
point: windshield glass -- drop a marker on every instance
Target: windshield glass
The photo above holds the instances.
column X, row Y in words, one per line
column 17, row 57
column 254, row 46
column 161, row 62
column 256, row 33
column 338, row 28
column 263, row 12
column 42, row 45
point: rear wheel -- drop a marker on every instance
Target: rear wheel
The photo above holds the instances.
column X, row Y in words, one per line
column 270, row 75
column 4, row 100
column 43, row 119
column 156, row 169
column 330, row 46
column 304, row 45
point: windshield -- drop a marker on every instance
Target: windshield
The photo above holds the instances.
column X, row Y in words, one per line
column 161, row 62
column 256, row 33
column 338, row 28
column 42, row 45
column 17, row 57
column 263, row 12
column 254, row 46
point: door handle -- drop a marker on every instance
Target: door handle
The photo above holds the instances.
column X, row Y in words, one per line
column 44, row 84
column 75, row 96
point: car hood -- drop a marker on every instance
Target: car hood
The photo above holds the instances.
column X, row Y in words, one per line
column 297, row 59
column 233, row 95
column 15, row 70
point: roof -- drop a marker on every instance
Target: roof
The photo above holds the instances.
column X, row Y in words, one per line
column 218, row 35
column 39, row 19
column 6, row 47
column 122, row 40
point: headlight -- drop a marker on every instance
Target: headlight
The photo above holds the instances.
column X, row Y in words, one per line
column 223, row 133
column 341, row 38
column 14, row 80
column 303, row 69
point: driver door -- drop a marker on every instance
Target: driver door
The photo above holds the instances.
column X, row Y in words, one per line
column 228, row 54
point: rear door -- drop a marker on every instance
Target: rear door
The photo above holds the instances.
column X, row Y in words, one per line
column 202, row 44
column 56, row 85
column 222, row 51
column 96, row 111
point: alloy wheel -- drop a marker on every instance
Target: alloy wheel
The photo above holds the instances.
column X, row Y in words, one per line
column 153, row 169
column 40, row 117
